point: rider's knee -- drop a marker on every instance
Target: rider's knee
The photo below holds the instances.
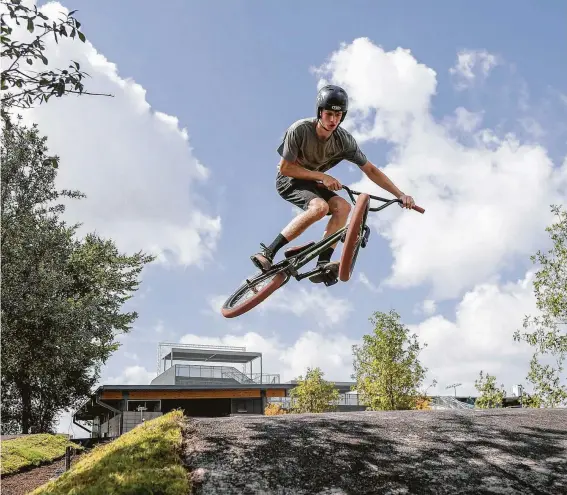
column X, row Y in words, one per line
column 319, row 207
column 341, row 208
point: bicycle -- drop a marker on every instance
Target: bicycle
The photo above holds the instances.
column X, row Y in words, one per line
column 354, row 235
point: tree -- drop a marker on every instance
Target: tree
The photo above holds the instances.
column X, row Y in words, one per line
column 21, row 71
column 548, row 333
column 388, row 373
column 546, row 380
column 62, row 296
column 490, row 395
column 422, row 400
column 313, row 394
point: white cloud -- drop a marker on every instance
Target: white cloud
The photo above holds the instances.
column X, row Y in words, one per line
column 479, row 338
column 387, row 90
column 363, row 279
column 466, row 121
column 332, row 353
column 472, row 65
column 427, row 307
column 487, row 204
column 533, row 128
column 160, row 327
column 135, row 164
column 132, row 375
column 317, row 302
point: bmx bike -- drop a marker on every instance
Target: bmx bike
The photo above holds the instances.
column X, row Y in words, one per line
column 354, row 235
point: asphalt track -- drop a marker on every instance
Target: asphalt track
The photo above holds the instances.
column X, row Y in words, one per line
column 516, row 451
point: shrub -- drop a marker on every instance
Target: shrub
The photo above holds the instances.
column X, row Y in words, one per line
column 274, row 410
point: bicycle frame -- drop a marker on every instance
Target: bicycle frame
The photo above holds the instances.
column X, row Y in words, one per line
column 293, row 264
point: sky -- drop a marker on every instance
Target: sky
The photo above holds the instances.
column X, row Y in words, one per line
column 462, row 105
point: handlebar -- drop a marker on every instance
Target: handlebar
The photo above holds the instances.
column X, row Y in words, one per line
column 388, row 202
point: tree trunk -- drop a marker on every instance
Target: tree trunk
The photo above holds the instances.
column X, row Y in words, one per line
column 25, row 394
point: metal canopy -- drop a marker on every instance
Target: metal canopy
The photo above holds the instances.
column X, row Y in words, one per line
column 211, row 355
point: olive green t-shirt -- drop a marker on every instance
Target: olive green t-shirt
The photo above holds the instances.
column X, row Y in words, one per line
column 301, row 143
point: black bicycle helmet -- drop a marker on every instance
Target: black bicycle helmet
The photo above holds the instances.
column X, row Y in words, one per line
column 332, row 97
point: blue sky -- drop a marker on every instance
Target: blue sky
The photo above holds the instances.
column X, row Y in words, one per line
column 236, row 75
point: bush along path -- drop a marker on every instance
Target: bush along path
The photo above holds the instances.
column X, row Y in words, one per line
column 23, row 453
column 143, row 460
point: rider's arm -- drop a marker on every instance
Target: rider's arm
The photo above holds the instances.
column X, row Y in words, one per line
column 291, row 169
column 379, row 178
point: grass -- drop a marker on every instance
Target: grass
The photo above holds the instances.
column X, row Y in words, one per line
column 32, row 450
column 143, row 461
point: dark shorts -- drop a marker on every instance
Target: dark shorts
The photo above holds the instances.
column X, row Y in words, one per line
column 300, row 192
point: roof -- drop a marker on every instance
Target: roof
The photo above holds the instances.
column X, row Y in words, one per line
column 90, row 408
column 211, row 355
column 216, row 386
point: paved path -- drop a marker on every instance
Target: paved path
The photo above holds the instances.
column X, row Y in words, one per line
column 516, row 451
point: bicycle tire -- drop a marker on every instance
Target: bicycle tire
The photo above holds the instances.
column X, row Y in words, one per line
column 353, row 237
column 229, row 310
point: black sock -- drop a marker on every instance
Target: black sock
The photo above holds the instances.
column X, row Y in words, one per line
column 325, row 256
column 279, row 242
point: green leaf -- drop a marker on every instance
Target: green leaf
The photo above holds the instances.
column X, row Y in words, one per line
column 62, row 293
column 30, row 25
column 81, row 36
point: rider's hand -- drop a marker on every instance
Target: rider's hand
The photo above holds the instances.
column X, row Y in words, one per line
column 407, row 201
column 331, row 183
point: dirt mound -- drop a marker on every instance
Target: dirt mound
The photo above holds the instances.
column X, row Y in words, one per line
column 482, row 451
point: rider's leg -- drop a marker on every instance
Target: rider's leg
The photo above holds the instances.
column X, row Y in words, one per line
column 340, row 210
column 316, row 210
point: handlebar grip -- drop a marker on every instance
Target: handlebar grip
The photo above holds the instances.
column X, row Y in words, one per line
column 418, row 208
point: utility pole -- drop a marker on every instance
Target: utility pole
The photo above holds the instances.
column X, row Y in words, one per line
column 454, row 386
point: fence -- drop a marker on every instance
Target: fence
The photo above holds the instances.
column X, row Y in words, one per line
column 343, row 400
column 224, row 372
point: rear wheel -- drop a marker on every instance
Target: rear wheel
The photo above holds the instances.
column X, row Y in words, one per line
column 252, row 293
column 353, row 238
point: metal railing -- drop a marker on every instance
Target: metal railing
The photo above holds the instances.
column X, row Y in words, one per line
column 265, row 378
column 224, row 372
column 240, row 377
column 343, row 400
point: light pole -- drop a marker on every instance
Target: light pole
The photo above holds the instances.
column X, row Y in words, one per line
column 455, row 385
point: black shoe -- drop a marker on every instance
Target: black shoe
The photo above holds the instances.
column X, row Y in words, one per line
column 264, row 259
column 328, row 274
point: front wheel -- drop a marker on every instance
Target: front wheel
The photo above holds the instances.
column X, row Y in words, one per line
column 252, row 293
column 354, row 237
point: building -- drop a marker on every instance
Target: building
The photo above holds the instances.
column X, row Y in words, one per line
column 213, row 387
column 207, row 381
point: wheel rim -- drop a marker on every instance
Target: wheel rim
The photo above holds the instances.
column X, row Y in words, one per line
column 251, row 291
column 248, row 296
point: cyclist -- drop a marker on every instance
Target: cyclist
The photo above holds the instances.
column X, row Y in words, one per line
column 311, row 147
